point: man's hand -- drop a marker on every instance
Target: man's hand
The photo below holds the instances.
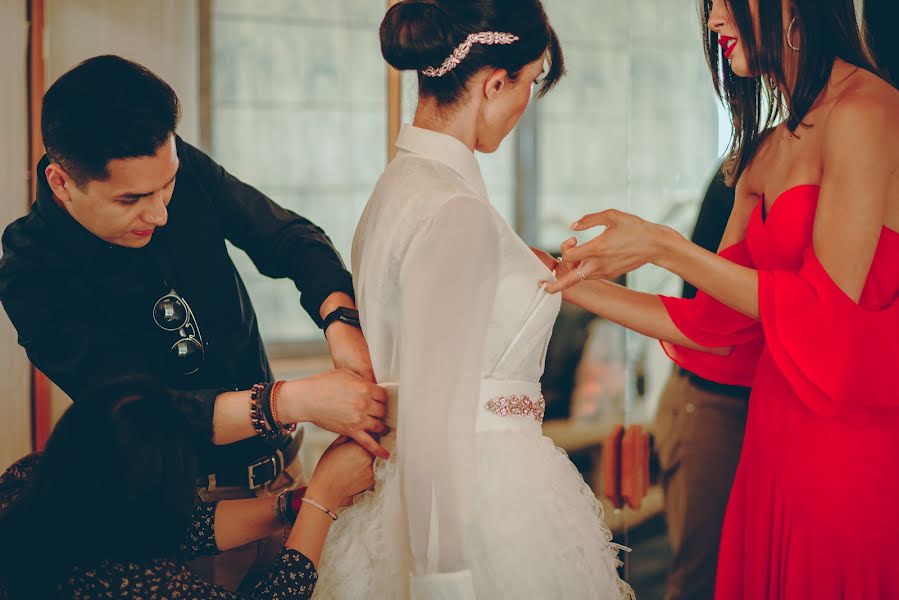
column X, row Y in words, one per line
column 340, row 401
column 349, row 350
column 347, row 344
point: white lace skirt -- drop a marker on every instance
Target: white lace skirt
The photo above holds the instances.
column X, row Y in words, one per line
column 538, row 532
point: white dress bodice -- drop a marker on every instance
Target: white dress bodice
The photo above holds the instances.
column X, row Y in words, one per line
column 411, row 192
column 475, row 502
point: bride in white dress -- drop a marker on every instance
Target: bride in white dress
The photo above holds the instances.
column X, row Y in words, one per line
column 474, row 502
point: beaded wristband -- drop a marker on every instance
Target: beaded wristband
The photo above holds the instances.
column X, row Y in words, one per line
column 255, row 417
column 258, row 394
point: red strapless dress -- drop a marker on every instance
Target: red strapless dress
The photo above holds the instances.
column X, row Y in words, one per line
column 814, row 510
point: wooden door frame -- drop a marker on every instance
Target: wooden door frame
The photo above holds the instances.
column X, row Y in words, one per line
column 394, row 104
column 40, row 384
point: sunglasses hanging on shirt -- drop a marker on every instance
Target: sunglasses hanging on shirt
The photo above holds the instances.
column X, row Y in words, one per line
column 173, row 314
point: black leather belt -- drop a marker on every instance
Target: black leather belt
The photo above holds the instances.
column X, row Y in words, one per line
column 258, row 473
column 732, row 391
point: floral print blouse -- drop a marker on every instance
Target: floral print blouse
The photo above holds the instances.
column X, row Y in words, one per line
column 291, row 576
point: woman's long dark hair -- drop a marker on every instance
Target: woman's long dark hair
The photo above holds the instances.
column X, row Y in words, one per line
column 828, row 30
column 116, row 482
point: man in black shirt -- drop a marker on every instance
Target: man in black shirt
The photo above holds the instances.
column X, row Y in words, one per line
column 121, row 268
column 879, row 17
column 699, row 436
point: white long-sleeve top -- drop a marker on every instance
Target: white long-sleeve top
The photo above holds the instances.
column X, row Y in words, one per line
column 450, row 305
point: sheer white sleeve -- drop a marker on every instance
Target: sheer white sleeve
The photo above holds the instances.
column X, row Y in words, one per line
column 448, row 283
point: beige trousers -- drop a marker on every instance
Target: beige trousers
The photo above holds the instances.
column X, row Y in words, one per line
column 698, row 436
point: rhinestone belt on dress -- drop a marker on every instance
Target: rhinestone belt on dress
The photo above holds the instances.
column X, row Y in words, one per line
column 517, row 406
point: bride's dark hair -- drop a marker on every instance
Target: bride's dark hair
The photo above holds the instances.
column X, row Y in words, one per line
column 417, row 34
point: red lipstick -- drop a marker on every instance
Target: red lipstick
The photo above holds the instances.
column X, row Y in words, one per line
column 728, row 44
column 144, row 233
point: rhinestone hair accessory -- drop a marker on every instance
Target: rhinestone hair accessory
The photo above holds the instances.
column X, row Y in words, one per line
column 488, row 38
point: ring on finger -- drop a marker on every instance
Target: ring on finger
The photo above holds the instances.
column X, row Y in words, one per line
column 580, row 274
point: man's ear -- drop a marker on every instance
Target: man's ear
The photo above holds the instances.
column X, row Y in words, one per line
column 59, row 181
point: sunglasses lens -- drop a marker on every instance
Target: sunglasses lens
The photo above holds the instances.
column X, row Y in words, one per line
column 170, row 313
column 188, row 355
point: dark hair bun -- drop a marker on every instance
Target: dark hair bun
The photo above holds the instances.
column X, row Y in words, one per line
column 415, row 35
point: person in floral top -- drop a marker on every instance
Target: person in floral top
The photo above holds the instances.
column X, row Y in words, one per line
column 109, row 510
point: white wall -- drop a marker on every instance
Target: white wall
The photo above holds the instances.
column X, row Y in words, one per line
column 159, row 34
column 15, row 372
column 162, row 35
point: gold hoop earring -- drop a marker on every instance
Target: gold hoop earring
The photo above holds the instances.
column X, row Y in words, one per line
column 790, row 36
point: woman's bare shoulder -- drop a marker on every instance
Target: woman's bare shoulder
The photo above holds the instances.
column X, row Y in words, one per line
column 868, row 102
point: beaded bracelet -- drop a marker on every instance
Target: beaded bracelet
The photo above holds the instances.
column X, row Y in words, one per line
column 258, row 422
column 258, row 417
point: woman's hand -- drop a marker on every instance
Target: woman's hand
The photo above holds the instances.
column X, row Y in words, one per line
column 546, row 258
column 559, row 269
column 340, row 401
column 344, row 470
column 627, row 244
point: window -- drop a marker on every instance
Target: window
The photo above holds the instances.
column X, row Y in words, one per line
column 298, row 109
column 634, row 126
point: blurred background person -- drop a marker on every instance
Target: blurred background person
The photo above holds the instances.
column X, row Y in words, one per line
column 698, row 437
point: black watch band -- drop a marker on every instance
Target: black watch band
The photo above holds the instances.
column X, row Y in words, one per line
column 349, row 316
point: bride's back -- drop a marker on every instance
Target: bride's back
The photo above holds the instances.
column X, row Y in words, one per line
column 456, row 321
column 435, row 173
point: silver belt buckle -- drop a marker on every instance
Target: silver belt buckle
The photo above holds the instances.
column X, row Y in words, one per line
column 277, row 460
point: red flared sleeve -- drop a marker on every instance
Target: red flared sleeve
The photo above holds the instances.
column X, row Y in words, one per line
column 835, row 353
column 712, row 324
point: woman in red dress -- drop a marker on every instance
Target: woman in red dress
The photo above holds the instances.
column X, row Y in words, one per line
column 801, row 303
